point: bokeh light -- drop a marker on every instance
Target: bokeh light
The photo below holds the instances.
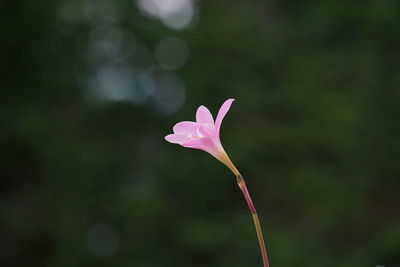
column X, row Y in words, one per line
column 171, row 53
column 113, row 83
column 110, row 44
column 175, row 14
column 169, row 94
column 100, row 11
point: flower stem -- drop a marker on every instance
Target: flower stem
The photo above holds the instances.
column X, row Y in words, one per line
column 242, row 185
column 260, row 240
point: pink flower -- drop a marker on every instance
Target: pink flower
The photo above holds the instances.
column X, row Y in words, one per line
column 204, row 133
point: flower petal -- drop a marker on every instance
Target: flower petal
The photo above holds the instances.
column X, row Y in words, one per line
column 205, row 144
column 178, row 138
column 185, row 127
column 207, row 130
column 222, row 112
column 203, row 115
column 208, row 145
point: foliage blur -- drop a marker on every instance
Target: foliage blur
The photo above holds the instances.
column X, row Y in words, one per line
column 89, row 89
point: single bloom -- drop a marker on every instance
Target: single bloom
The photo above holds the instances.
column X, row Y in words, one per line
column 203, row 134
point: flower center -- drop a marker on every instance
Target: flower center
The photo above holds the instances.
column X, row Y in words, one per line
column 193, row 136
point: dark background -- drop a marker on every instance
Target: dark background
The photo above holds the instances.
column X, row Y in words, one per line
column 90, row 88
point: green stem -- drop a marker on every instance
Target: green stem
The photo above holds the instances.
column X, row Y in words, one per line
column 243, row 187
column 260, row 240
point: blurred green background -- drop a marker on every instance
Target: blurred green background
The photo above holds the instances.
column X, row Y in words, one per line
column 89, row 89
